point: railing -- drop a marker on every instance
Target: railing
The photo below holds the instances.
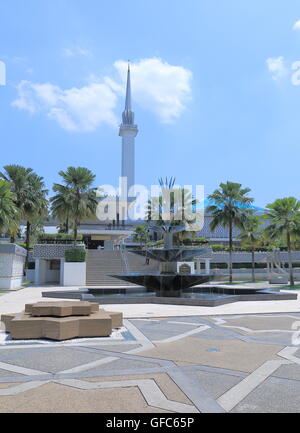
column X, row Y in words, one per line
column 119, row 227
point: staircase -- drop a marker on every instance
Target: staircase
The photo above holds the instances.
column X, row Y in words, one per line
column 101, row 263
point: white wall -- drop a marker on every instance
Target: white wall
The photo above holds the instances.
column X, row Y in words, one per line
column 10, row 283
column 74, row 274
column 40, row 271
column 30, row 275
column 43, row 274
column 52, row 276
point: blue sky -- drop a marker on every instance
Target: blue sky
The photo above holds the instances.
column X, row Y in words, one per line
column 214, row 91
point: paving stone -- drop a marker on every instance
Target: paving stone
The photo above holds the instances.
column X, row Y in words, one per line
column 260, row 322
column 52, row 360
column 6, row 385
column 232, row 354
column 114, row 347
column 6, row 373
column 124, row 364
column 163, row 326
column 289, row 371
column 272, row 397
column 159, row 335
column 213, row 333
column 11, row 353
column 198, row 320
column 284, row 339
column 56, row 398
column 165, row 383
column 214, row 383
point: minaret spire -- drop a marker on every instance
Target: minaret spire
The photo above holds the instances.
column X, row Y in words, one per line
column 128, row 114
column 128, row 90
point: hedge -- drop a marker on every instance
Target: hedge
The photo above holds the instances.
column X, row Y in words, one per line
column 195, row 241
column 58, row 236
column 247, row 265
column 75, row 255
column 235, row 248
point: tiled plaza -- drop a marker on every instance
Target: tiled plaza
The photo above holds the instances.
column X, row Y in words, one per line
column 223, row 363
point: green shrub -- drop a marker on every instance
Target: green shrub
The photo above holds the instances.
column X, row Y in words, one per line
column 219, row 248
column 23, row 245
column 219, row 265
column 57, row 238
column 75, row 255
column 200, row 240
column 155, row 243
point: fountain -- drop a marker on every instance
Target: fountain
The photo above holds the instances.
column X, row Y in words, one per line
column 167, row 282
column 167, row 285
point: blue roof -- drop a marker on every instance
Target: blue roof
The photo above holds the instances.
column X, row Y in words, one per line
column 209, row 202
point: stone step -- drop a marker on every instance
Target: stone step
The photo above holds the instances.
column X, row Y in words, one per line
column 101, row 263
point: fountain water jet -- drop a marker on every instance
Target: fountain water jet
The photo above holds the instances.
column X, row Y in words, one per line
column 167, row 282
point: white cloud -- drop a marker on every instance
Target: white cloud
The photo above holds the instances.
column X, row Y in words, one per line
column 277, row 67
column 75, row 109
column 68, row 52
column 76, row 51
column 158, row 86
column 296, row 25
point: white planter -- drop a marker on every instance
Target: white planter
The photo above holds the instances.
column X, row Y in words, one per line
column 12, row 258
column 74, row 273
column 10, row 283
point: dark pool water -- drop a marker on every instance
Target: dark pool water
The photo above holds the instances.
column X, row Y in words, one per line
column 186, row 295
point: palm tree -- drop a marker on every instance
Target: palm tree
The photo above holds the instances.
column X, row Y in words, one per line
column 250, row 235
column 141, row 234
column 8, row 210
column 75, row 199
column 17, row 175
column 229, row 207
column 30, row 196
column 35, row 205
column 173, row 206
column 284, row 217
column 61, row 205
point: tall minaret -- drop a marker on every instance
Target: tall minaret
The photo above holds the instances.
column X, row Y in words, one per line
column 128, row 132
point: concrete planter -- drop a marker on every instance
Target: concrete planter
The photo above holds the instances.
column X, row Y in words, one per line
column 12, row 258
column 74, row 274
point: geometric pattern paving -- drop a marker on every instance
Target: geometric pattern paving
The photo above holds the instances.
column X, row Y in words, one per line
column 232, row 363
